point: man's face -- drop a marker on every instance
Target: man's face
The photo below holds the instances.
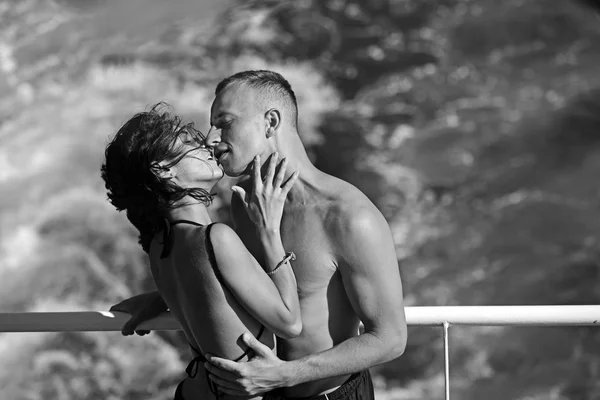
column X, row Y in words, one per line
column 238, row 130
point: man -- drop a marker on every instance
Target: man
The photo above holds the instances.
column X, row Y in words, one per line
column 346, row 265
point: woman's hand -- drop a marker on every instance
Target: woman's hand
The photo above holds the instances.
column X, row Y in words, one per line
column 264, row 204
column 142, row 307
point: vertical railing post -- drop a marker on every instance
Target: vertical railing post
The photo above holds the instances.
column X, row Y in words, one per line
column 446, row 325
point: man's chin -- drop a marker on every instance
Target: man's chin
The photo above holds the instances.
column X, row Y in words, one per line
column 234, row 172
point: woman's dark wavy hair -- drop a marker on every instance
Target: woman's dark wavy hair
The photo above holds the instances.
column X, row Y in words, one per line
column 131, row 169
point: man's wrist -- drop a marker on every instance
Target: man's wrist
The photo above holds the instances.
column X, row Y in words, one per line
column 289, row 374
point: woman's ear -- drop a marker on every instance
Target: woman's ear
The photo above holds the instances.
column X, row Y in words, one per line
column 273, row 121
column 162, row 170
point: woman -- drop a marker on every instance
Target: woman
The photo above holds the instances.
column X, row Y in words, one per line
column 159, row 171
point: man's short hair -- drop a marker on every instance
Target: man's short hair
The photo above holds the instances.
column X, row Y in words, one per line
column 270, row 83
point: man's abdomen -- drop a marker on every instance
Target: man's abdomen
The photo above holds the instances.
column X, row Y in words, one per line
column 327, row 319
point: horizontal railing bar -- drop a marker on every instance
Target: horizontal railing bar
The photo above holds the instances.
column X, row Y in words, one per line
column 79, row 321
column 571, row 315
column 416, row 316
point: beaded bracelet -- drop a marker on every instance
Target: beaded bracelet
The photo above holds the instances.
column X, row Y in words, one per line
column 288, row 256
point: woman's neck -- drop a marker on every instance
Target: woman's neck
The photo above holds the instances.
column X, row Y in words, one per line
column 190, row 210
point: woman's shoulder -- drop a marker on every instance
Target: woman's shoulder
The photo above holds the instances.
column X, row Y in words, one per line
column 222, row 234
column 226, row 247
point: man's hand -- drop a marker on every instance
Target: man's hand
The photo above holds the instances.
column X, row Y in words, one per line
column 261, row 374
column 142, row 307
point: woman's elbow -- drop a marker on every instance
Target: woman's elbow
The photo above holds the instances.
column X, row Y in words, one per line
column 292, row 330
column 290, row 327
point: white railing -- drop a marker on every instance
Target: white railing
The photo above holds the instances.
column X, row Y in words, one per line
column 445, row 317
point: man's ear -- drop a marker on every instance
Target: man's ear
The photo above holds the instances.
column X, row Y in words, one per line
column 162, row 170
column 273, row 121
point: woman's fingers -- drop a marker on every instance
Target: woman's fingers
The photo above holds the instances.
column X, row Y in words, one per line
column 289, row 183
column 256, row 174
column 280, row 174
column 274, row 176
column 241, row 193
column 271, row 168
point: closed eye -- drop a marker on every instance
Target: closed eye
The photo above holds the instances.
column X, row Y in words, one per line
column 187, row 138
column 192, row 136
column 222, row 124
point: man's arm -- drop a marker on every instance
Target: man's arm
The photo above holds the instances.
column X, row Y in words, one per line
column 369, row 269
column 371, row 277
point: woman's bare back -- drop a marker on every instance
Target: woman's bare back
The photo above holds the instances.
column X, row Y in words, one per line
column 187, row 276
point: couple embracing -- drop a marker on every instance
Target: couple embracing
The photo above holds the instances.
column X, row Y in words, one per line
column 271, row 308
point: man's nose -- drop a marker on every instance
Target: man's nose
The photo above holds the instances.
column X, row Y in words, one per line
column 213, row 138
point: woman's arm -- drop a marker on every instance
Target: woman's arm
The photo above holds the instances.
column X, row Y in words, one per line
column 142, row 307
column 264, row 206
column 272, row 300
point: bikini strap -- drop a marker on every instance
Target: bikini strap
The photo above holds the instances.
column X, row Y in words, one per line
column 211, row 252
column 262, row 329
column 192, row 371
column 185, row 221
column 192, row 368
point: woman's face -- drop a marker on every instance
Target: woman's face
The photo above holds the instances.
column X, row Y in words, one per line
column 198, row 166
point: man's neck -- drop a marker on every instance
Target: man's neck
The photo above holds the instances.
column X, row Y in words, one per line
column 308, row 186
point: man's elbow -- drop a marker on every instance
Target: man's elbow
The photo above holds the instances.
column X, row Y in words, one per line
column 395, row 344
column 398, row 345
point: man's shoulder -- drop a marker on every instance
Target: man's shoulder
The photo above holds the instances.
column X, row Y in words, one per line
column 350, row 209
column 356, row 227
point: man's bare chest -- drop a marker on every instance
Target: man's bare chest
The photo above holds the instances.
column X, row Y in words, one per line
column 315, row 262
